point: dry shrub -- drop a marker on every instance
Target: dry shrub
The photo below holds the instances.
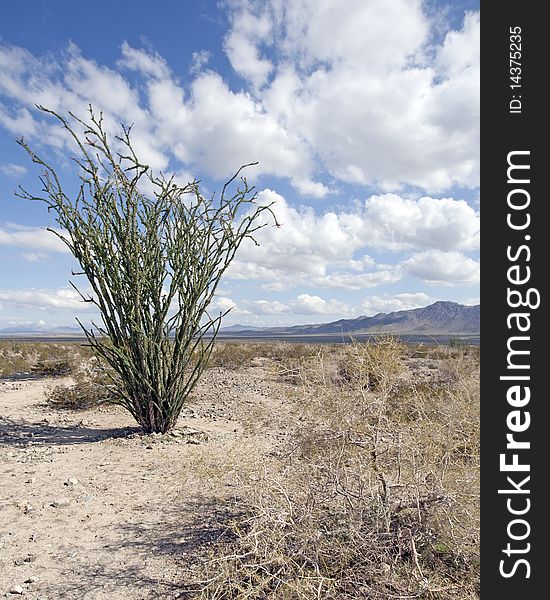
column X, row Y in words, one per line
column 449, row 351
column 12, row 364
column 234, row 355
column 40, row 358
column 377, row 497
column 54, row 367
column 83, row 395
column 284, row 351
column 462, row 367
column 93, row 385
column 306, row 367
column 287, row 357
column 374, row 364
column 340, row 364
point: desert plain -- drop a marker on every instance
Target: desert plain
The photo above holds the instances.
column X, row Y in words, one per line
column 294, row 471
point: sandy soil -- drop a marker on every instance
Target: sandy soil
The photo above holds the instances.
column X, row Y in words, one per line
column 91, row 509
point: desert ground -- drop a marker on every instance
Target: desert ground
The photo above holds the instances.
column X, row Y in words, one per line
column 284, row 455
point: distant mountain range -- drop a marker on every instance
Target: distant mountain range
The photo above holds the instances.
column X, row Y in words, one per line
column 440, row 318
column 40, row 330
column 241, row 328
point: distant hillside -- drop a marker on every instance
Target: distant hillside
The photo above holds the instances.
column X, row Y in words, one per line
column 40, row 330
column 440, row 318
column 237, row 328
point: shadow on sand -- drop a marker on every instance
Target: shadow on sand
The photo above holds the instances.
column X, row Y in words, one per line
column 162, row 553
column 24, row 433
column 21, row 377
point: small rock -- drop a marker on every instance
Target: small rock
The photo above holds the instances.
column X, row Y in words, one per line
column 30, row 580
column 59, row 503
column 148, row 447
column 190, row 431
column 28, row 508
column 17, row 589
column 71, row 481
column 87, row 498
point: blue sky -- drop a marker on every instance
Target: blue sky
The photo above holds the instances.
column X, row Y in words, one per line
column 363, row 115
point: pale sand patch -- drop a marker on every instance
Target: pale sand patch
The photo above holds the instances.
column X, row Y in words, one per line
column 91, row 510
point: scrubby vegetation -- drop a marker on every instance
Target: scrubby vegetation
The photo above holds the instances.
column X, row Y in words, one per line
column 93, row 385
column 234, row 355
column 19, row 358
column 362, row 482
column 376, row 495
column 92, row 379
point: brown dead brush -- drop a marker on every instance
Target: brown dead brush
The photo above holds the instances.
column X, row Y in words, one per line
column 234, row 355
column 47, row 359
column 288, row 361
column 374, row 364
column 93, row 386
column 376, row 496
column 59, row 367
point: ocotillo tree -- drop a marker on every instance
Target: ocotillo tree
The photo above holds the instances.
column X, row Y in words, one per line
column 153, row 263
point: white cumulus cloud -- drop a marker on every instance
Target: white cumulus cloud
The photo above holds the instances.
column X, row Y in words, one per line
column 344, row 90
column 385, row 304
column 306, row 304
column 44, row 299
column 400, row 223
column 35, row 238
column 331, row 249
column 443, row 268
column 12, row 170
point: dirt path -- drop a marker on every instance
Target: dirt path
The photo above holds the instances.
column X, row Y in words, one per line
column 90, row 509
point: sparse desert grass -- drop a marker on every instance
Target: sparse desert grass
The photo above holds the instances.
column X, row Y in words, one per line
column 374, row 365
column 93, row 386
column 443, row 351
column 377, row 495
column 40, row 358
column 234, row 355
column 372, row 492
